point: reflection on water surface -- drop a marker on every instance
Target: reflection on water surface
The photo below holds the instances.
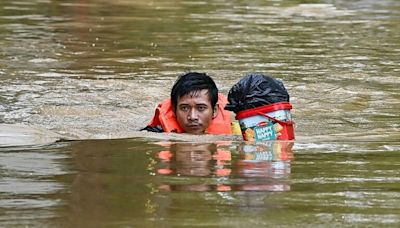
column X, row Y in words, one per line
column 135, row 182
column 260, row 167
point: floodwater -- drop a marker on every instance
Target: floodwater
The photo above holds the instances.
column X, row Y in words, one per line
column 78, row 78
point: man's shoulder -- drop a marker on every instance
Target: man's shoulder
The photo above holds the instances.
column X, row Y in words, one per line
column 157, row 129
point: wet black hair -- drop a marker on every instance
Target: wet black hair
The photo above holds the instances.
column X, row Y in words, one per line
column 193, row 82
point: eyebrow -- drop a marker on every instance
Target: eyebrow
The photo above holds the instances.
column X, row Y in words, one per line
column 198, row 104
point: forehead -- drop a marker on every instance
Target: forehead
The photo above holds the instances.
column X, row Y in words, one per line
column 198, row 97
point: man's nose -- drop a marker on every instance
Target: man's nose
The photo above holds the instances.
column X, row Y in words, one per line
column 192, row 114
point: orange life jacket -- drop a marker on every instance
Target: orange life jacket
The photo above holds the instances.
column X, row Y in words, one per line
column 164, row 116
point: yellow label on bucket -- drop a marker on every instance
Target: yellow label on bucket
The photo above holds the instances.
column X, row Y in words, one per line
column 249, row 134
column 236, row 128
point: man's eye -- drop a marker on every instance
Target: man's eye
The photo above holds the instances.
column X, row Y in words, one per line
column 184, row 108
column 202, row 108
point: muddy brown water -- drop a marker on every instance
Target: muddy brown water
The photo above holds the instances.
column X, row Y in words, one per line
column 79, row 78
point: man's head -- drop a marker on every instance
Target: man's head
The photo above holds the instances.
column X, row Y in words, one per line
column 194, row 99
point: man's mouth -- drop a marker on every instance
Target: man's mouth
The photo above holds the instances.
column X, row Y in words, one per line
column 194, row 126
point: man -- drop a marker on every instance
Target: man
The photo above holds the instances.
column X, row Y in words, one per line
column 195, row 107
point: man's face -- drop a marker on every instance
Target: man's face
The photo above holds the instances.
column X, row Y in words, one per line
column 193, row 159
column 194, row 112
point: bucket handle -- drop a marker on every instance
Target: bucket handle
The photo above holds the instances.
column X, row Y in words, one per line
column 275, row 119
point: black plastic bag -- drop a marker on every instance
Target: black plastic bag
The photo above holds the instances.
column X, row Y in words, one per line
column 255, row 90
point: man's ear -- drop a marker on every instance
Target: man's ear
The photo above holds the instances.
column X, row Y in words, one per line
column 215, row 111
